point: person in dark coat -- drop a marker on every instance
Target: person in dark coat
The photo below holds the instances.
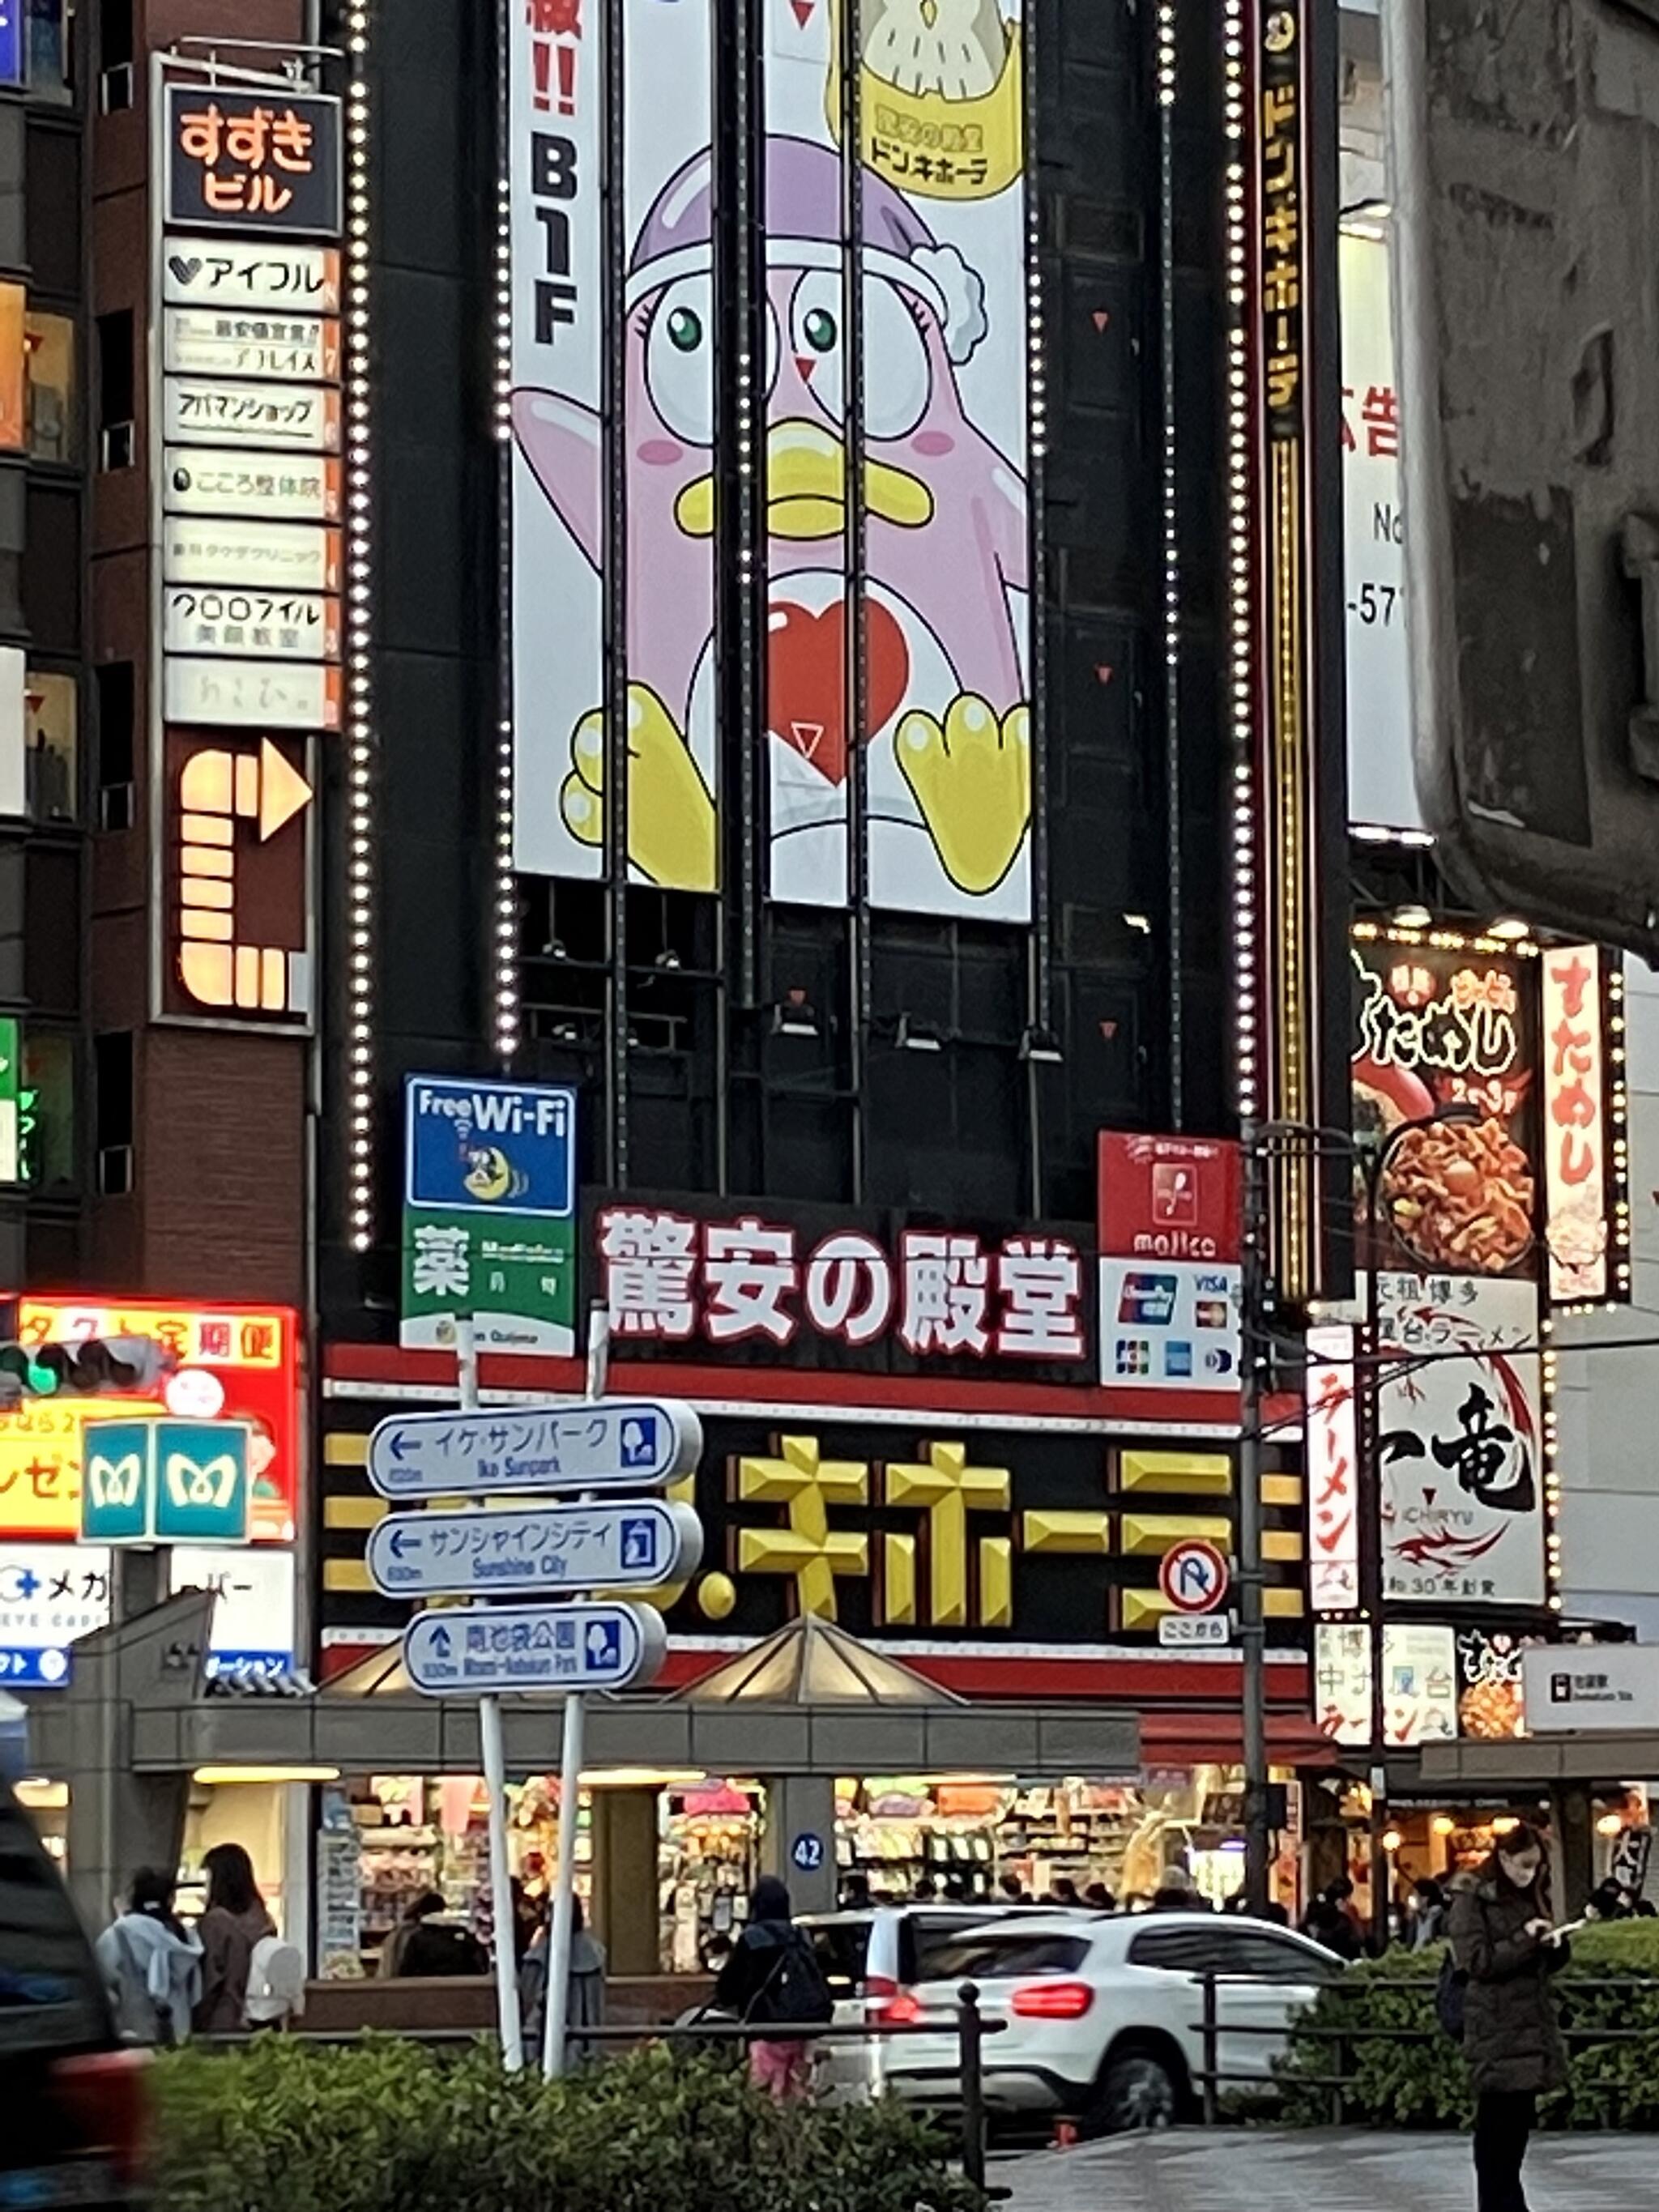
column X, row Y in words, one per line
column 773, row 1975
column 1500, row 1933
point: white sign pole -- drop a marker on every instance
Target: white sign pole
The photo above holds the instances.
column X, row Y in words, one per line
column 556, row 2011
column 494, row 1767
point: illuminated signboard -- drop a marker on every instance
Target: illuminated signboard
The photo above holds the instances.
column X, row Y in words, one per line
column 257, row 625
column 1576, row 1181
column 51, row 1594
column 235, row 1363
column 905, row 765
column 1332, row 1471
column 231, row 272
column 271, row 556
column 217, row 411
column 261, row 487
column 252, row 694
column 289, row 349
column 1437, row 1024
column 237, row 914
column 1288, row 333
column 260, row 160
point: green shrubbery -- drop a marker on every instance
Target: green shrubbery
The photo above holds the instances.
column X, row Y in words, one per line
column 383, row 2125
column 1403, row 2078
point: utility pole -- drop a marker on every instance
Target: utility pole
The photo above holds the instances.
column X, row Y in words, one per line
column 1254, row 1342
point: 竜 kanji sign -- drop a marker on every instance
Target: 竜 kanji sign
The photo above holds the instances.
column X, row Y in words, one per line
column 779, row 1284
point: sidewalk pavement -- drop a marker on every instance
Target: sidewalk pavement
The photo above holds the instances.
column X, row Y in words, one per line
column 1262, row 2170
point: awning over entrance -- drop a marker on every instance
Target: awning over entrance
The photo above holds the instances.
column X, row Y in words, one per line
column 1535, row 1762
column 811, row 1700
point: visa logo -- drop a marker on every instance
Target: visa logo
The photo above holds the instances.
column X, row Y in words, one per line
column 1146, row 1301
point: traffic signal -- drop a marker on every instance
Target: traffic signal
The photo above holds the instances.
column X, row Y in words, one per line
column 85, row 1369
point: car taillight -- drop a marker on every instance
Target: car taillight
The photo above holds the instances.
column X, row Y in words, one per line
column 886, row 2003
column 1052, row 1999
column 103, row 2092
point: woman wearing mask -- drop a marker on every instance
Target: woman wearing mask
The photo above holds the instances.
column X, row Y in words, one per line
column 234, row 1924
column 1501, row 1940
column 151, row 1966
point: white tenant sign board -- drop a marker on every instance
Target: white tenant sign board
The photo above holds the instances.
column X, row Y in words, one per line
column 259, row 487
column 218, row 411
column 270, row 556
column 220, row 272
column 1568, row 1687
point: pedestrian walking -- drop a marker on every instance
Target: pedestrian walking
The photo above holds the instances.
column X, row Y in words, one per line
column 420, row 1907
column 1326, row 1922
column 773, row 1977
column 1426, row 1912
column 584, row 2005
column 234, row 1924
column 1503, row 1943
column 151, row 1964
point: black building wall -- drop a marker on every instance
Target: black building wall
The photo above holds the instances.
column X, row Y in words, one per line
column 1123, row 972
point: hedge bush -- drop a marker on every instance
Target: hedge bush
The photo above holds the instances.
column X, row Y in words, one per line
column 1405, row 2078
column 385, row 2125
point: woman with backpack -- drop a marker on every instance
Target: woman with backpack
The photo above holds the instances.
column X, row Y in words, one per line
column 772, row 1976
column 1504, row 1948
column 231, row 1928
column 152, row 1966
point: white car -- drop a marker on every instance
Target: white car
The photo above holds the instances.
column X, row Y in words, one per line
column 1104, row 2012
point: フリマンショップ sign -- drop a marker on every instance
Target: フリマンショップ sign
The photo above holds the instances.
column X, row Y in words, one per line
column 252, row 159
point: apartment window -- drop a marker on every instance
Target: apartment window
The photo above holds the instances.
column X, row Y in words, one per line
column 114, row 55
column 51, row 714
column 116, row 403
column 46, row 1109
column 51, row 74
column 113, row 1111
column 116, row 723
column 49, row 369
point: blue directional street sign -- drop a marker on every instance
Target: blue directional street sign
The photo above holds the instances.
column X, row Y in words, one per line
column 610, row 1444
column 479, row 1651
column 535, row 1551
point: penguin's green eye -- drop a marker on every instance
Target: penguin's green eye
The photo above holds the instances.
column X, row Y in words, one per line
column 819, row 329
column 684, row 330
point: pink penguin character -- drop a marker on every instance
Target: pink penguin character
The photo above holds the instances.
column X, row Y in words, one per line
column 947, row 721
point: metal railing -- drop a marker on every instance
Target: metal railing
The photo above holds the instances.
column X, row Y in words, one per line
column 971, row 2029
column 1343, row 2037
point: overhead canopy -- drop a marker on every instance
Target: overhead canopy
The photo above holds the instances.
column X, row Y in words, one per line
column 811, row 1662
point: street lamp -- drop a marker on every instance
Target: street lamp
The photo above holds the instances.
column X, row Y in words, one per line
column 1259, row 1139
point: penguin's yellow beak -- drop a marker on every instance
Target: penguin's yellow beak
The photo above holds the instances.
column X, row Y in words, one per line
column 806, row 488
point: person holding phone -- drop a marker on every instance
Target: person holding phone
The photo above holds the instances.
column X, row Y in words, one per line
column 1502, row 1942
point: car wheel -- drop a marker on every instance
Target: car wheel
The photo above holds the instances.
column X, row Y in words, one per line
column 1136, row 2091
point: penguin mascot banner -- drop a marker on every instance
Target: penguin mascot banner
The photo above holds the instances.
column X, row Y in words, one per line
column 947, row 626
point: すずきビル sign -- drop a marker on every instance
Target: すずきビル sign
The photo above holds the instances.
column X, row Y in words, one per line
column 260, row 160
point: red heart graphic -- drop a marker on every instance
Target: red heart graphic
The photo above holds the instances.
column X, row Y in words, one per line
column 806, row 680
